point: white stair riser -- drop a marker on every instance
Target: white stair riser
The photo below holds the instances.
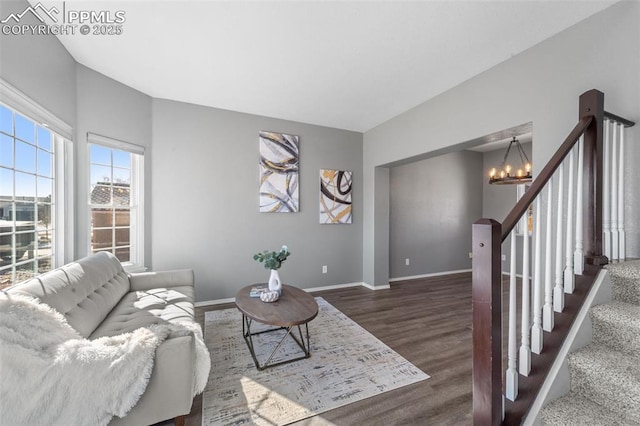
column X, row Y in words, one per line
column 626, row 290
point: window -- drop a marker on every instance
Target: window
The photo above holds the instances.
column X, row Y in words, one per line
column 115, row 174
column 28, row 198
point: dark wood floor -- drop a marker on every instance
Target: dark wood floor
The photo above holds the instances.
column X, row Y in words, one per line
column 427, row 321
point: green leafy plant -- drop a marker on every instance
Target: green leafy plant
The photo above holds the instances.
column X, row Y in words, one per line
column 272, row 259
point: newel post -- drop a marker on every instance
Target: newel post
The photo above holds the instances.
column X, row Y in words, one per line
column 487, row 328
column 592, row 104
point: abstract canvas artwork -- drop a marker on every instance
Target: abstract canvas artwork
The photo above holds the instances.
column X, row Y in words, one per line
column 335, row 196
column 279, row 159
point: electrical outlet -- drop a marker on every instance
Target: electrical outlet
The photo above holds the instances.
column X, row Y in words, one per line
column 324, row 269
column 504, row 257
column 406, row 262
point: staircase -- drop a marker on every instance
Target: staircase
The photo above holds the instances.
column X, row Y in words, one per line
column 605, row 377
column 571, row 224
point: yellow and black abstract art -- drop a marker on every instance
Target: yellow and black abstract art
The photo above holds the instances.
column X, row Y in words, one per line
column 335, row 196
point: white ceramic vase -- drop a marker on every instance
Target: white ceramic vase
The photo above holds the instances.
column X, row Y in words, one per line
column 274, row 281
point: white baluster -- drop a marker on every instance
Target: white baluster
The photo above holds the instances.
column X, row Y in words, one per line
column 547, row 310
column 578, row 254
column 606, row 200
column 536, row 328
column 569, row 277
column 511, row 381
column 525, row 348
column 614, row 195
column 558, row 291
column 622, row 252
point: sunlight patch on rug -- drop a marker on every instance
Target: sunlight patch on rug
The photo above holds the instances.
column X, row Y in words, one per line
column 347, row 364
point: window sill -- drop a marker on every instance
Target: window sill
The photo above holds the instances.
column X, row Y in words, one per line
column 133, row 269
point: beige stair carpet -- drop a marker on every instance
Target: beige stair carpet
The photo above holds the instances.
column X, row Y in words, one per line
column 605, row 377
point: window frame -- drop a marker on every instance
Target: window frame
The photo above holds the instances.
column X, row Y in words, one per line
column 136, row 194
column 62, row 217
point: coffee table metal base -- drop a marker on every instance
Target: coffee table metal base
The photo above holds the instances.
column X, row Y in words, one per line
column 302, row 342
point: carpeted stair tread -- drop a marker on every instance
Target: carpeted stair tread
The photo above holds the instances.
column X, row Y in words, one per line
column 625, row 277
column 576, row 410
column 607, row 377
column 617, row 325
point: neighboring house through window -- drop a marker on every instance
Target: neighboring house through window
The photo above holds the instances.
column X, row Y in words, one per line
column 115, row 199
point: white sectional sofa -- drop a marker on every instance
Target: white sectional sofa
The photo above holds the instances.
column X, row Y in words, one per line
column 98, row 298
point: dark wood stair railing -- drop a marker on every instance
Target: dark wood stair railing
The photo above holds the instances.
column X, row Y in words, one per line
column 487, row 239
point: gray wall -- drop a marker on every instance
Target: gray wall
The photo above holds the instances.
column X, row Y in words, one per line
column 540, row 85
column 433, row 203
column 201, row 151
column 205, row 201
column 109, row 108
column 39, row 66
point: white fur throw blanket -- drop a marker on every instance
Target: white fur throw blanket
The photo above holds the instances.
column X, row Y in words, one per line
column 49, row 374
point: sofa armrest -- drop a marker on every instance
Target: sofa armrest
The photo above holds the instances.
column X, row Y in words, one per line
column 169, row 392
column 166, row 279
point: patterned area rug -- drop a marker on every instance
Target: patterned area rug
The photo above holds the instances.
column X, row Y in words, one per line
column 347, row 364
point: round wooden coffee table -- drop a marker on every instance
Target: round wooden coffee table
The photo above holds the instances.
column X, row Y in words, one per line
column 293, row 309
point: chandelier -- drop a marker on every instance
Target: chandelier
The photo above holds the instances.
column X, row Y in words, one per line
column 506, row 174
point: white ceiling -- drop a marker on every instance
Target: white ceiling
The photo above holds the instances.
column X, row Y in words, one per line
column 344, row 64
column 503, row 143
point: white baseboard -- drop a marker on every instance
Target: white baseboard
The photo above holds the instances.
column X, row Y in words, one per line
column 215, row 302
column 377, row 287
column 435, row 274
column 309, row 290
column 333, row 287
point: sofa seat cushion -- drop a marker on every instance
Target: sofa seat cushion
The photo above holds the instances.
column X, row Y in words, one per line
column 144, row 308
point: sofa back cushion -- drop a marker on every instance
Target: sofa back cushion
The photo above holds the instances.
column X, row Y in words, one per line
column 84, row 291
